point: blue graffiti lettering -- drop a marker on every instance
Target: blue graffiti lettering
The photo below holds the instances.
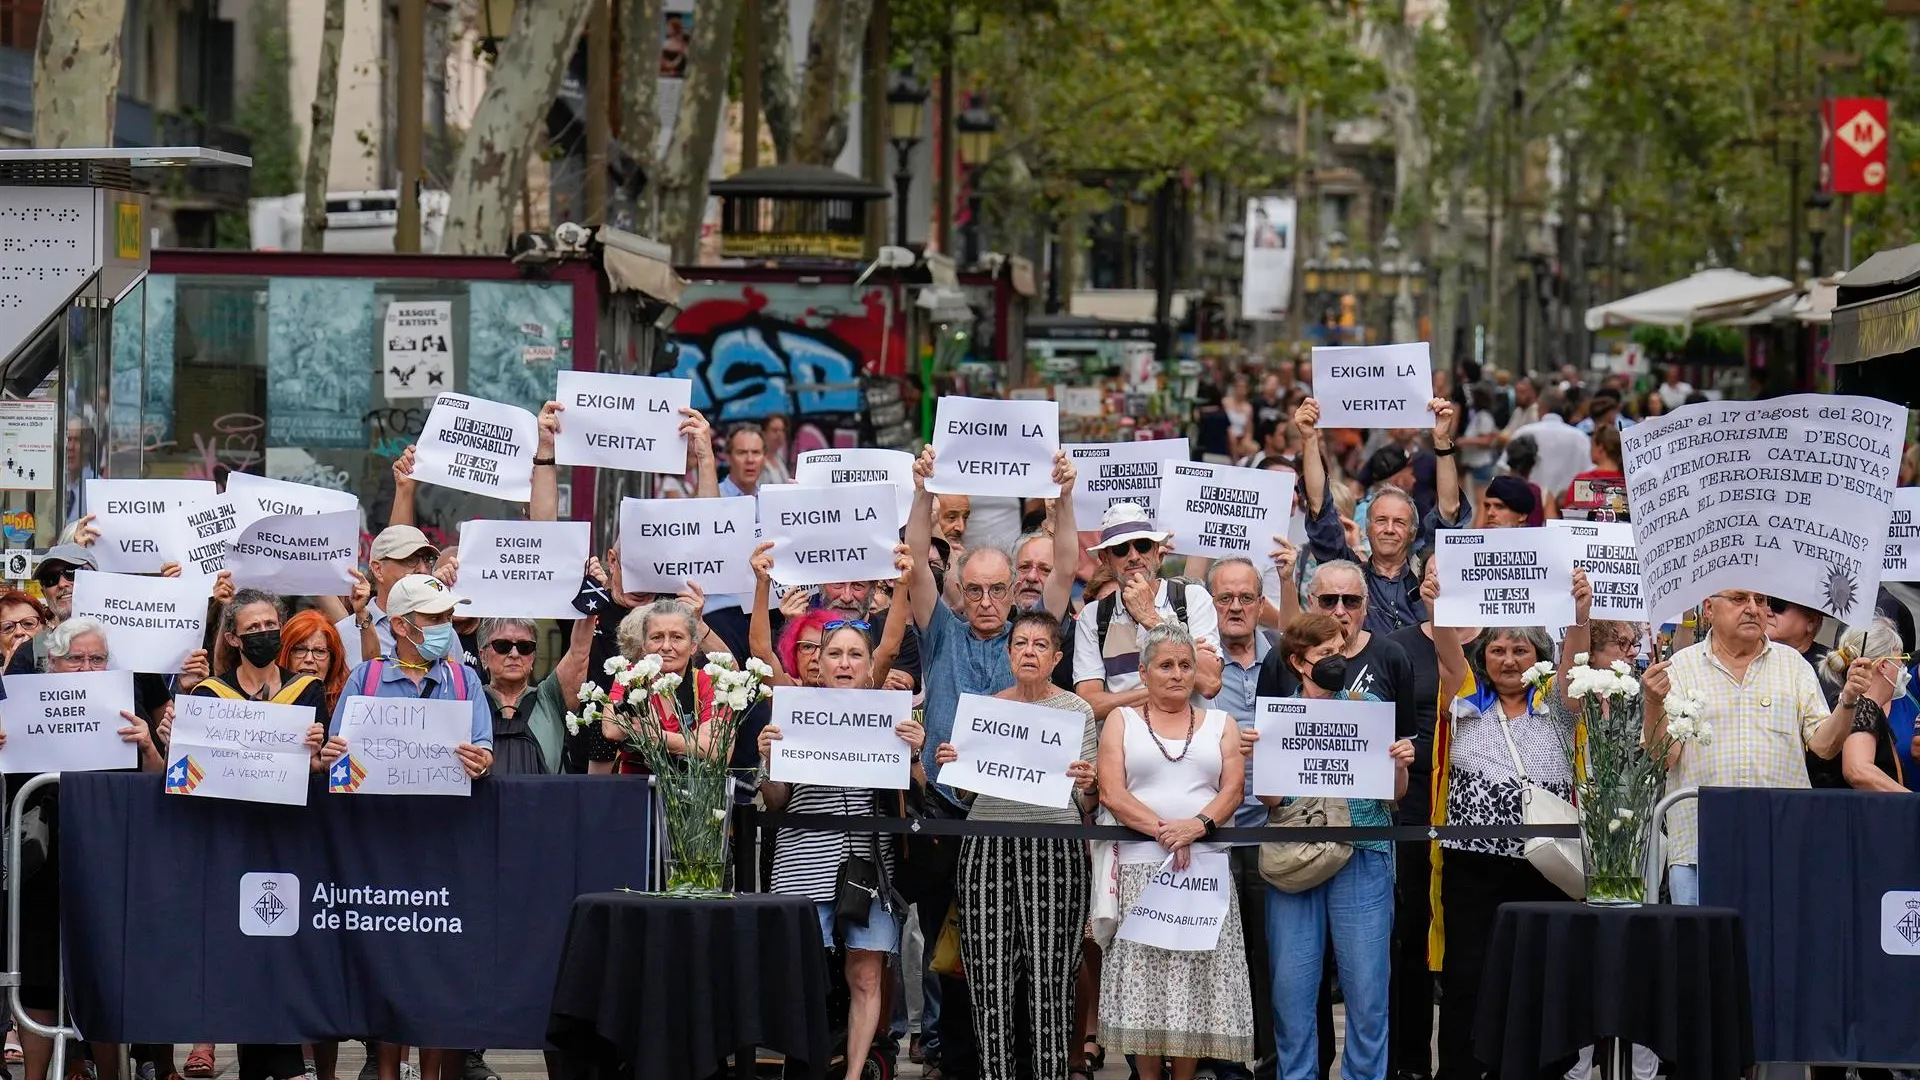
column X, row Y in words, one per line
column 758, row 367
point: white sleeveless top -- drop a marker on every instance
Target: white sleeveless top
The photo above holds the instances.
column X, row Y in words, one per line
column 1171, row 789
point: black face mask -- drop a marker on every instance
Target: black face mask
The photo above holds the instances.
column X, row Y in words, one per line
column 260, row 648
column 1330, row 674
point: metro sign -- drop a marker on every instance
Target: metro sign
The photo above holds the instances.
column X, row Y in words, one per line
column 1854, row 145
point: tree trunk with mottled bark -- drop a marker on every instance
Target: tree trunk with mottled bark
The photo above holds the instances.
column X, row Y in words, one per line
column 326, row 99
column 683, row 191
column 639, row 123
column 521, row 87
column 826, row 38
column 853, row 35
column 776, row 77
column 76, row 73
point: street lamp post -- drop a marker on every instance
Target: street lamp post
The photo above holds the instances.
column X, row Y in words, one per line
column 906, row 102
column 496, row 17
column 976, row 127
column 1817, row 204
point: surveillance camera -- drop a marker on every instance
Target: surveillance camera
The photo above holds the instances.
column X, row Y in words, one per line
column 534, row 249
column 572, row 236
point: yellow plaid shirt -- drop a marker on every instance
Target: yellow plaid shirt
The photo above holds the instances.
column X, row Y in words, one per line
column 1760, row 730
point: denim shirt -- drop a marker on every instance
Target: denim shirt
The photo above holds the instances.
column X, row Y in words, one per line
column 436, row 685
column 955, row 661
column 1236, row 699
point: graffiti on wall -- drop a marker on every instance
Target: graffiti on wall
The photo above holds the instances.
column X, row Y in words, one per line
column 756, row 350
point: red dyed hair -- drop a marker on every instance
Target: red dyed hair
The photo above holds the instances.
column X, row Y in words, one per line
column 300, row 628
column 789, row 646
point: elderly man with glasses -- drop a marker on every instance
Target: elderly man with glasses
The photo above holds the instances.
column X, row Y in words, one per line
column 1374, row 665
column 1767, row 711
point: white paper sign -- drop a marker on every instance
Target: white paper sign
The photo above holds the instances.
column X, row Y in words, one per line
column 627, row 422
column 866, row 465
column 202, row 531
column 253, row 751
column 127, row 512
column 152, row 623
column 841, row 738
column 1181, row 910
column 522, row 569
column 1902, row 560
column 1082, row 401
column 1373, row 386
column 1120, row 472
column 1789, row 497
column 28, row 430
column 823, row 535
column 67, row 723
column 417, row 349
column 1504, row 577
column 307, row 555
column 665, row 543
column 1014, row 750
column 984, row 446
column 1217, row 510
column 479, row 446
column 258, row 496
column 1605, row 550
column 1323, row 746
column 402, row 746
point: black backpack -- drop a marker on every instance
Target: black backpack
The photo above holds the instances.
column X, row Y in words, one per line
column 1176, row 593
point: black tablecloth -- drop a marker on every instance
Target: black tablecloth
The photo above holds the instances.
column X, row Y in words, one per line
column 669, row 987
column 1561, row 976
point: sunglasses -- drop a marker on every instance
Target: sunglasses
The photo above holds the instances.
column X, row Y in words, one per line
column 1138, row 547
column 1330, row 601
column 48, row 579
column 1777, row 605
column 858, row 624
column 508, row 648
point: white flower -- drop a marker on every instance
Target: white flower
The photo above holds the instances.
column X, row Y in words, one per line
column 737, row 700
column 1621, row 667
column 666, row 684
column 1580, row 659
column 573, row 724
column 759, row 667
column 765, row 691
column 724, row 659
column 1614, row 825
column 1623, row 814
column 1539, row 674
column 614, row 664
column 588, row 692
column 629, row 678
column 719, row 814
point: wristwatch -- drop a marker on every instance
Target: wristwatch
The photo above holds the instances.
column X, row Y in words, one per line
column 543, row 461
column 1438, row 451
column 1208, row 823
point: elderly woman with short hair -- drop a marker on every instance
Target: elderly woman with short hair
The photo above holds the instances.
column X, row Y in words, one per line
column 670, row 629
column 529, row 720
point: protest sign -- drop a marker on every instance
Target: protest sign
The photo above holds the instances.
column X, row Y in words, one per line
column 126, row 511
column 1373, row 386
column 228, row 748
column 307, row 555
column 1217, row 510
column 484, row 447
column 523, row 569
column 1014, row 750
column 629, row 422
column 257, row 496
column 1504, row 577
column 840, row 738
column 983, row 446
column 831, row 468
column 1789, row 497
column 1120, row 472
column 402, row 746
column 1181, row 910
column 67, row 723
column 203, row 530
column 665, row 543
column 1902, row 560
column 153, row 623
column 822, row 535
column 1323, row 746
column 1604, row 549
column 416, row 355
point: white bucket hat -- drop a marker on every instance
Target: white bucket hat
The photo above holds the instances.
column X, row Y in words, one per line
column 1125, row 522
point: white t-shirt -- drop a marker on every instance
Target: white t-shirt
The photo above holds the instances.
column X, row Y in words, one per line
column 1674, row 395
column 1565, row 452
column 1124, row 673
column 994, row 522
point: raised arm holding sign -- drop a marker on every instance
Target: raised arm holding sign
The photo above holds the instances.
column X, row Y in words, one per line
column 526, row 569
column 307, row 555
column 478, row 446
column 989, row 447
column 665, row 543
column 865, row 465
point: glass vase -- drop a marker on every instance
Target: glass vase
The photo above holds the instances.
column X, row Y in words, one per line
column 1615, row 849
column 699, row 849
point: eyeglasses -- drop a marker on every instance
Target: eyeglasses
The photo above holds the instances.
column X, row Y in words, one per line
column 310, row 652
column 974, row 593
column 1745, row 599
column 1330, row 601
column 508, row 648
column 806, row 646
column 25, row 626
column 49, row 578
column 94, row 661
column 1233, row 600
column 858, row 624
column 1776, row 605
column 1142, row 546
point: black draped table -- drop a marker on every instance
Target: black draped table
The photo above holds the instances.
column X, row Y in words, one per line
column 660, row 987
column 1563, row 976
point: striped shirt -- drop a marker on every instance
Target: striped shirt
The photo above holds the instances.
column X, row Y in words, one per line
column 1761, row 725
column 807, row 863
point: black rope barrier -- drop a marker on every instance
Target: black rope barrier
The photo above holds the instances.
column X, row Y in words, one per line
column 1268, row 834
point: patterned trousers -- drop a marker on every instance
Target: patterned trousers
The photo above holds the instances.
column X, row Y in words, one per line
column 1023, row 908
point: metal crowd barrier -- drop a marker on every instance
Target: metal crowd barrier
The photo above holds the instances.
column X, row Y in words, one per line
column 1656, row 868
column 61, row 1032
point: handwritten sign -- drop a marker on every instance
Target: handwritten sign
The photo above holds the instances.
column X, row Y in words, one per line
column 984, row 446
column 1181, row 910
column 1121, row 472
column 1218, row 510
column 153, row 623
column 522, row 569
column 823, row 535
column 307, row 555
column 1323, row 746
column 1789, row 497
column 865, row 465
column 125, row 512
column 1014, row 750
column 627, row 422
column 416, row 356
column 1902, row 560
column 840, row 738
column 67, row 723
column 1504, row 577
column 1373, row 386
column 402, row 746
column 258, row 496
column 1605, row 550
column 478, row 446
column 252, row 751
column 665, row 543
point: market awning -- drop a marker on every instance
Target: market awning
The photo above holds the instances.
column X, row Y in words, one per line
column 1879, row 313
column 1710, row 296
column 633, row 262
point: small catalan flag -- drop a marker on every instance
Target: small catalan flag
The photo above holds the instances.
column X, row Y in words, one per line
column 184, row 776
column 345, row 776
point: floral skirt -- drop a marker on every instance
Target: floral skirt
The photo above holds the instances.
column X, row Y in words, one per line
column 1176, row 1004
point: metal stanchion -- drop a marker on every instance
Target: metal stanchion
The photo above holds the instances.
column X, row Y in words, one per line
column 1656, row 846
column 60, row 1031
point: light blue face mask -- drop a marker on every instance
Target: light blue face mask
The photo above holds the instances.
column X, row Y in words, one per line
column 435, row 641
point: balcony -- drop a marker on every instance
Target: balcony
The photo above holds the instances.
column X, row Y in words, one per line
column 132, row 121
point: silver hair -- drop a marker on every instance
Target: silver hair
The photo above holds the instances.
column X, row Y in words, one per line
column 1230, row 560
column 967, row 557
column 632, row 634
column 1384, row 490
column 1168, row 632
column 60, row 639
column 1876, row 640
column 1020, row 545
column 490, row 627
column 1313, row 583
column 1532, row 635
